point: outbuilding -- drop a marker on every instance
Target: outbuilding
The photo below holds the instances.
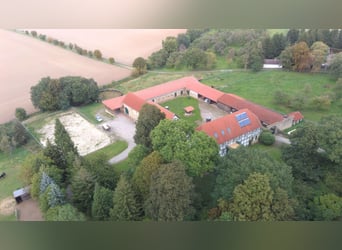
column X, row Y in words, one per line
column 21, row 194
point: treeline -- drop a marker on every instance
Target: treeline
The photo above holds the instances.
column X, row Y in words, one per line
column 57, row 94
column 72, row 46
column 198, row 49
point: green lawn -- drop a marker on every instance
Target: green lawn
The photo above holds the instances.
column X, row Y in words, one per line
column 273, row 151
column 10, row 164
column 260, row 87
column 122, row 165
column 89, row 111
column 111, row 150
column 177, row 106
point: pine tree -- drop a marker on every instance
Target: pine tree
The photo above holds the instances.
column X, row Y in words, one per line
column 102, row 203
column 63, row 140
column 82, row 187
column 125, row 205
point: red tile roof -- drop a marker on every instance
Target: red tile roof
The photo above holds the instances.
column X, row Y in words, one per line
column 114, row 103
column 134, row 101
column 168, row 114
column 189, row 109
column 189, row 83
column 230, row 126
column 296, row 116
column 264, row 114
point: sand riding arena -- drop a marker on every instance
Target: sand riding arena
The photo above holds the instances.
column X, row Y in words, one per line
column 86, row 137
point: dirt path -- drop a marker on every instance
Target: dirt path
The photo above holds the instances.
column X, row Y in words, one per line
column 29, row 211
column 7, row 206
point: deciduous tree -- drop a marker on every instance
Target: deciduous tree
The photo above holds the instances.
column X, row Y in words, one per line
column 149, row 118
column 170, row 194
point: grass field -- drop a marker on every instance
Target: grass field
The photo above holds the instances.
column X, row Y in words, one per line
column 89, row 111
column 10, row 164
column 110, row 151
column 177, row 106
column 274, row 151
column 260, row 87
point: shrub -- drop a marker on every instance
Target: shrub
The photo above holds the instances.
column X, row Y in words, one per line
column 98, row 54
column 267, row 138
column 20, row 114
column 34, row 33
column 111, row 60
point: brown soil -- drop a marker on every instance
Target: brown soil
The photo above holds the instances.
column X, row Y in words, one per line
column 123, row 44
column 29, row 211
column 7, row 206
column 25, row 60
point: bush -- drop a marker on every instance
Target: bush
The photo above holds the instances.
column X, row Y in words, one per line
column 111, row 60
column 267, row 138
column 98, row 54
column 20, row 114
column 34, row 33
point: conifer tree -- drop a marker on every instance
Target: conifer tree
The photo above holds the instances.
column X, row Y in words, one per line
column 125, row 205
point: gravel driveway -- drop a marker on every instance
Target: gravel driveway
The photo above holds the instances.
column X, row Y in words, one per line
column 123, row 128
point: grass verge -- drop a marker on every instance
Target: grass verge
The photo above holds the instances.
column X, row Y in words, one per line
column 89, row 111
column 110, row 151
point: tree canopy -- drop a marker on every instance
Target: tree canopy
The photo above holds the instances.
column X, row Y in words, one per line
column 57, row 94
column 149, row 118
column 170, row 194
column 177, row 140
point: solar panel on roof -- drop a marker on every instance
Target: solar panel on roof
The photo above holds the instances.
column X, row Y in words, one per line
column 222, row 132
column 216, row 135
column 241, row 116
column 244, row 122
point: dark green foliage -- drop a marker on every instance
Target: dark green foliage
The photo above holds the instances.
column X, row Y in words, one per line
column 63, row 140
column 183, row 41
column 157, row 59
column 252, row 200
column 82, row 186
column 56, row 94
column 71, row 46
column 238, row 164
column 140, row 66
column 101, row 171
column 142, row 175
column 64, row 213
column 20, row 114
column 12, row 135
column 327, row 207
column 282, row 98
column 331, row 138
column 102, row 203
column 136, row 155
column 177, row 140
column 149, row 118
column 193, row 34
column 302, row 155
column 125, row 205
column 170, row 44
column 286, row 58
column 267, row 138
column 170, row 194
column 292, row 36
column 335, row 67
column 195, row 58
column 279, row 43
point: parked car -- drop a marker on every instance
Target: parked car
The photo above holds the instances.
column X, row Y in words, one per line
column 99, row 118
column 106, row 127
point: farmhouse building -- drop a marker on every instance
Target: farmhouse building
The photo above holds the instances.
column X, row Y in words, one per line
column 242, row 127
column 268, row 118
column 131, row 103
column 297, row 117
